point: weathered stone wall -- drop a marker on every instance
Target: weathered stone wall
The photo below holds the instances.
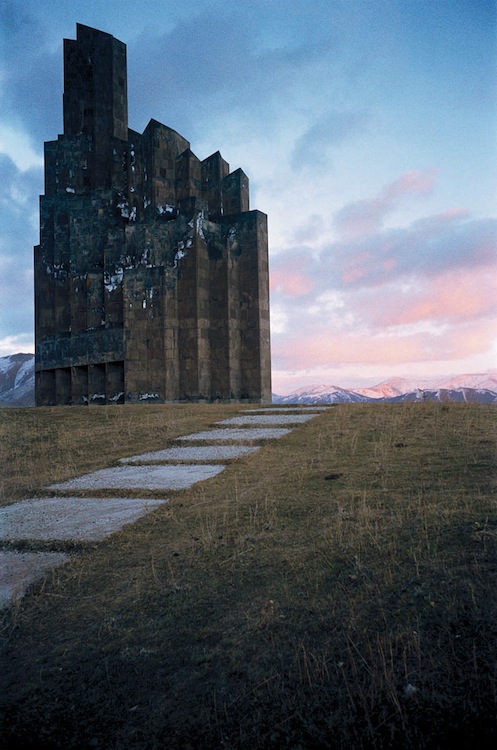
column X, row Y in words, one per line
column 151, row 276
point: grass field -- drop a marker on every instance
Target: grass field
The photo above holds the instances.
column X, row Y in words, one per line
column 337, row 589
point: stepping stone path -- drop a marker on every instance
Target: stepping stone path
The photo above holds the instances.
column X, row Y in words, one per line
column 265, row 419
column 59, row 519
column 179, row 477
column 244, row 436
column 87, row 519
column 199, row 453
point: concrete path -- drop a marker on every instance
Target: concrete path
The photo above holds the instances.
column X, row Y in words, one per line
column 179, row 477
column 197, row 453
column 288, row 409
column 267, row 419
column 242, row 436
column 86, row 519
column 56, row 520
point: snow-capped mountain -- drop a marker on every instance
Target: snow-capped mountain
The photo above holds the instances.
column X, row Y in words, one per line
column 321, row 394
column 400, row 386
column 461, row 395
column 17, row 380
column 474, row 388
column 485, row 381
column 394, row 387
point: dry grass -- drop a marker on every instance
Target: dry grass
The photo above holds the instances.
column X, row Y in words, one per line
column 335, row 590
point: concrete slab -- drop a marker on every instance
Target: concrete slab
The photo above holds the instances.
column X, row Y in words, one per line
column 18, row 570
column 243, row 436
column 267, row 419
column 141, row 477
column 288, row 409
column 198, row 453
column 71, row 518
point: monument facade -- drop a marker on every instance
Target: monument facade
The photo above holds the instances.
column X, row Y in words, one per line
column 151, row 276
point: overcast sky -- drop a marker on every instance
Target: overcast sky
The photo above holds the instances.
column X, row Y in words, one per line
column 367, row 129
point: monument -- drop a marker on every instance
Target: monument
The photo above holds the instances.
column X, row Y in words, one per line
column 151, row 276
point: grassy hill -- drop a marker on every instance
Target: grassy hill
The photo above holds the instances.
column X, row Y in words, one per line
column 337, row 589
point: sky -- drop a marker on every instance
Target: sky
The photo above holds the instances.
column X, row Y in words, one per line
column 368, row 130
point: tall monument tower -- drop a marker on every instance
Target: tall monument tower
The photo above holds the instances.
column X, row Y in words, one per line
column 151, row 276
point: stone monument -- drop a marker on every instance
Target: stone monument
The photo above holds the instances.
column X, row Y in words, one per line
column 151, row 276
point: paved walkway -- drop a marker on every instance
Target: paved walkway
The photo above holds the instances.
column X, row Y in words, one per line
column 60, row 518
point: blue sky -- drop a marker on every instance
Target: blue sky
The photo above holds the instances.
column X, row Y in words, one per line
column 367, row 129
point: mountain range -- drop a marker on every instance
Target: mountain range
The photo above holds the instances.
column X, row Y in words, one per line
column 475, row 388
column 17, row 388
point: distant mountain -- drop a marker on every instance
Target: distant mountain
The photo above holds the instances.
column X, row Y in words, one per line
column 17, row 380
column 322, row 394
column 476, row 388
column 460, row 395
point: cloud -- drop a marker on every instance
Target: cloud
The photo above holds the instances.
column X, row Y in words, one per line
column 409, row 257
column 301, row 350
column 31, row 77
column 313, row 148
column 367, row 216
column 427, row 248
column 311, row 230
column 17, row 145
column 454, row 297
column 291, row 274
column 396, row 297
column 211, row 66
column 23, row 342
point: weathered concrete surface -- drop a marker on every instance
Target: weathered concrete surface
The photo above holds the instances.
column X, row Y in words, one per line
column 18, row 570
column 198, row 453
column 268, row 419
column 71, row 518
column 152, row 477
column 287, row 409
column 243, row 435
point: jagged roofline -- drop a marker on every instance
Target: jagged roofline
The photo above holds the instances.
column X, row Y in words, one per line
column 84, row 27
column 153, row 122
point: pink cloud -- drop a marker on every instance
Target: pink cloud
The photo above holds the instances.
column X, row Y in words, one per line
column 454, row 213
column 290, row 274
column 304, row 350
column 454, row 297
column 389, row 264
column 457, row 297
column 411, row 183
column 291, row 283
column 354, row 274
column 320, row 348
column 366, row 216
column 427, row 248
column 409, row 298
column 361, row 217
